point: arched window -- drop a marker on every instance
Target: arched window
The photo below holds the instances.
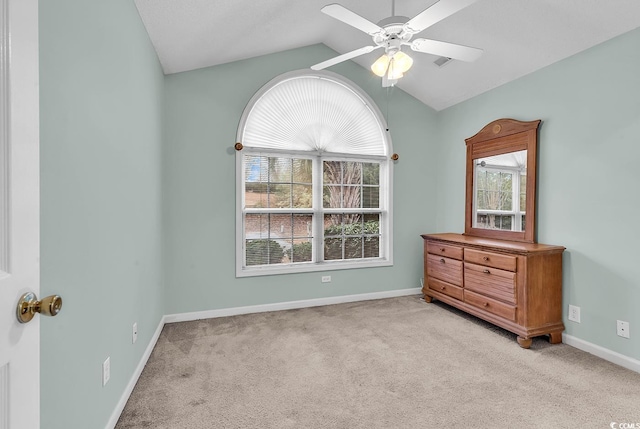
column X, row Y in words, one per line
column 314, row 178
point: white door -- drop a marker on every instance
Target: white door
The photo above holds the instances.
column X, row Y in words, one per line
column 19, row 213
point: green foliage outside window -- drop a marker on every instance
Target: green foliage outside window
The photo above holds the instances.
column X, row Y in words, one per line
column 264, row 252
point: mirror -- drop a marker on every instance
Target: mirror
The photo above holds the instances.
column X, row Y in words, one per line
column 501, row 181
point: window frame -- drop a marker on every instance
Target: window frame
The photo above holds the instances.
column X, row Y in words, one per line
column 318, row 211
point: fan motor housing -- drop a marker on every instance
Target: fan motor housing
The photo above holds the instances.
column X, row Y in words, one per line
column 393, row 28
column 393, row 21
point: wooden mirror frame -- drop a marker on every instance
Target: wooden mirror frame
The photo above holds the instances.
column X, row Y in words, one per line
column 496, row 138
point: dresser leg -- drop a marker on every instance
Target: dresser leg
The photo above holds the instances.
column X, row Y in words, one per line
column 525, row 343
column 427, row 298
column 555, row 337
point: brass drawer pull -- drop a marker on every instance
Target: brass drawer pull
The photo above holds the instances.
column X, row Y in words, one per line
column 442, row 288
column 442, row 260
column 486, row 258
column 442, row 249
column 486, row 304
column 486, row 271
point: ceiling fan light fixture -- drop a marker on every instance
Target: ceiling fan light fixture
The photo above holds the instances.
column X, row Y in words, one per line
column 379, row 68
column 393, row 66
column 402, row 61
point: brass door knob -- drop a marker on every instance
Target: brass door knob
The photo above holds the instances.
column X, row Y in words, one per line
column 29, row 305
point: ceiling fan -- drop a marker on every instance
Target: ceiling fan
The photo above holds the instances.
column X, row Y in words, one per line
column 395, row 32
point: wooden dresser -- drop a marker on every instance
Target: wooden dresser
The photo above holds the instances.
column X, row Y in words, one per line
column 514, row 285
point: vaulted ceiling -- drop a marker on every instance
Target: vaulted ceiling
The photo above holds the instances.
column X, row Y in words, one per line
column 517, row 36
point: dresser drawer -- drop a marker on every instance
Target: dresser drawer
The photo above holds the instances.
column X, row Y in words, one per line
column 445, row 288
column 498, row 284
column 445, row 269
column 496, row 260
column 444, row 250
column 491, row 305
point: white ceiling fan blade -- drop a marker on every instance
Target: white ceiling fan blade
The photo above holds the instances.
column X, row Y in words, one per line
column 343, row 14
column 444, row 49
column 435, row 13
column 344, row 57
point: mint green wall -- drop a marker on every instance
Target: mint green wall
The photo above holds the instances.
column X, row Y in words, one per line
column 202, row 112
column 588, row 177
column 101, row 115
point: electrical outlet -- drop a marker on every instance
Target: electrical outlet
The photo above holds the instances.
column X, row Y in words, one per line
column 326, row 279
column 623, row 329
column 134, row 333
column 574, row 313
column 106, row 371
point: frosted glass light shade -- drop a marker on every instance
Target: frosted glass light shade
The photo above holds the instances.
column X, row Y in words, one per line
column 402, row 61
column 394, row 67
column 379, row 68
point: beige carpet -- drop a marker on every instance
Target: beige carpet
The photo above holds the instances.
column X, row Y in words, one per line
column 394, row 363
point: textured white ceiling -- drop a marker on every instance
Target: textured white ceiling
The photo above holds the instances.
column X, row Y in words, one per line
column 517, row 36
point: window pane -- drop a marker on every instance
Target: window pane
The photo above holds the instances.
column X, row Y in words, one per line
column 302, row 171
column 506, row 191
column 372, row 247
column 256, row 178
column 279, row 195
column 494, row 190
column 351, row 197
column 280, row 226
column 353, row 247
column 300, row 247
column 255, row 195
column 352, row 224
column 302, row 196
column 332, row 225
column 371, row 197
column 256, row 226
column 302, row 250
column 255, row 168
column 371, row 173
column 263, row 252
column 372, row 223
column 280, row 170
column 332, row 248
column 352, row 173
column 332, row 172
column 332, row 197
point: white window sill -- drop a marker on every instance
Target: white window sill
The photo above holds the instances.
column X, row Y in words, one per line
column 267, row 270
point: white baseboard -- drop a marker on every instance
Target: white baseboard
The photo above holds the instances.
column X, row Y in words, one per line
column 115, row 415
column 601, row 352
column 289, row 305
